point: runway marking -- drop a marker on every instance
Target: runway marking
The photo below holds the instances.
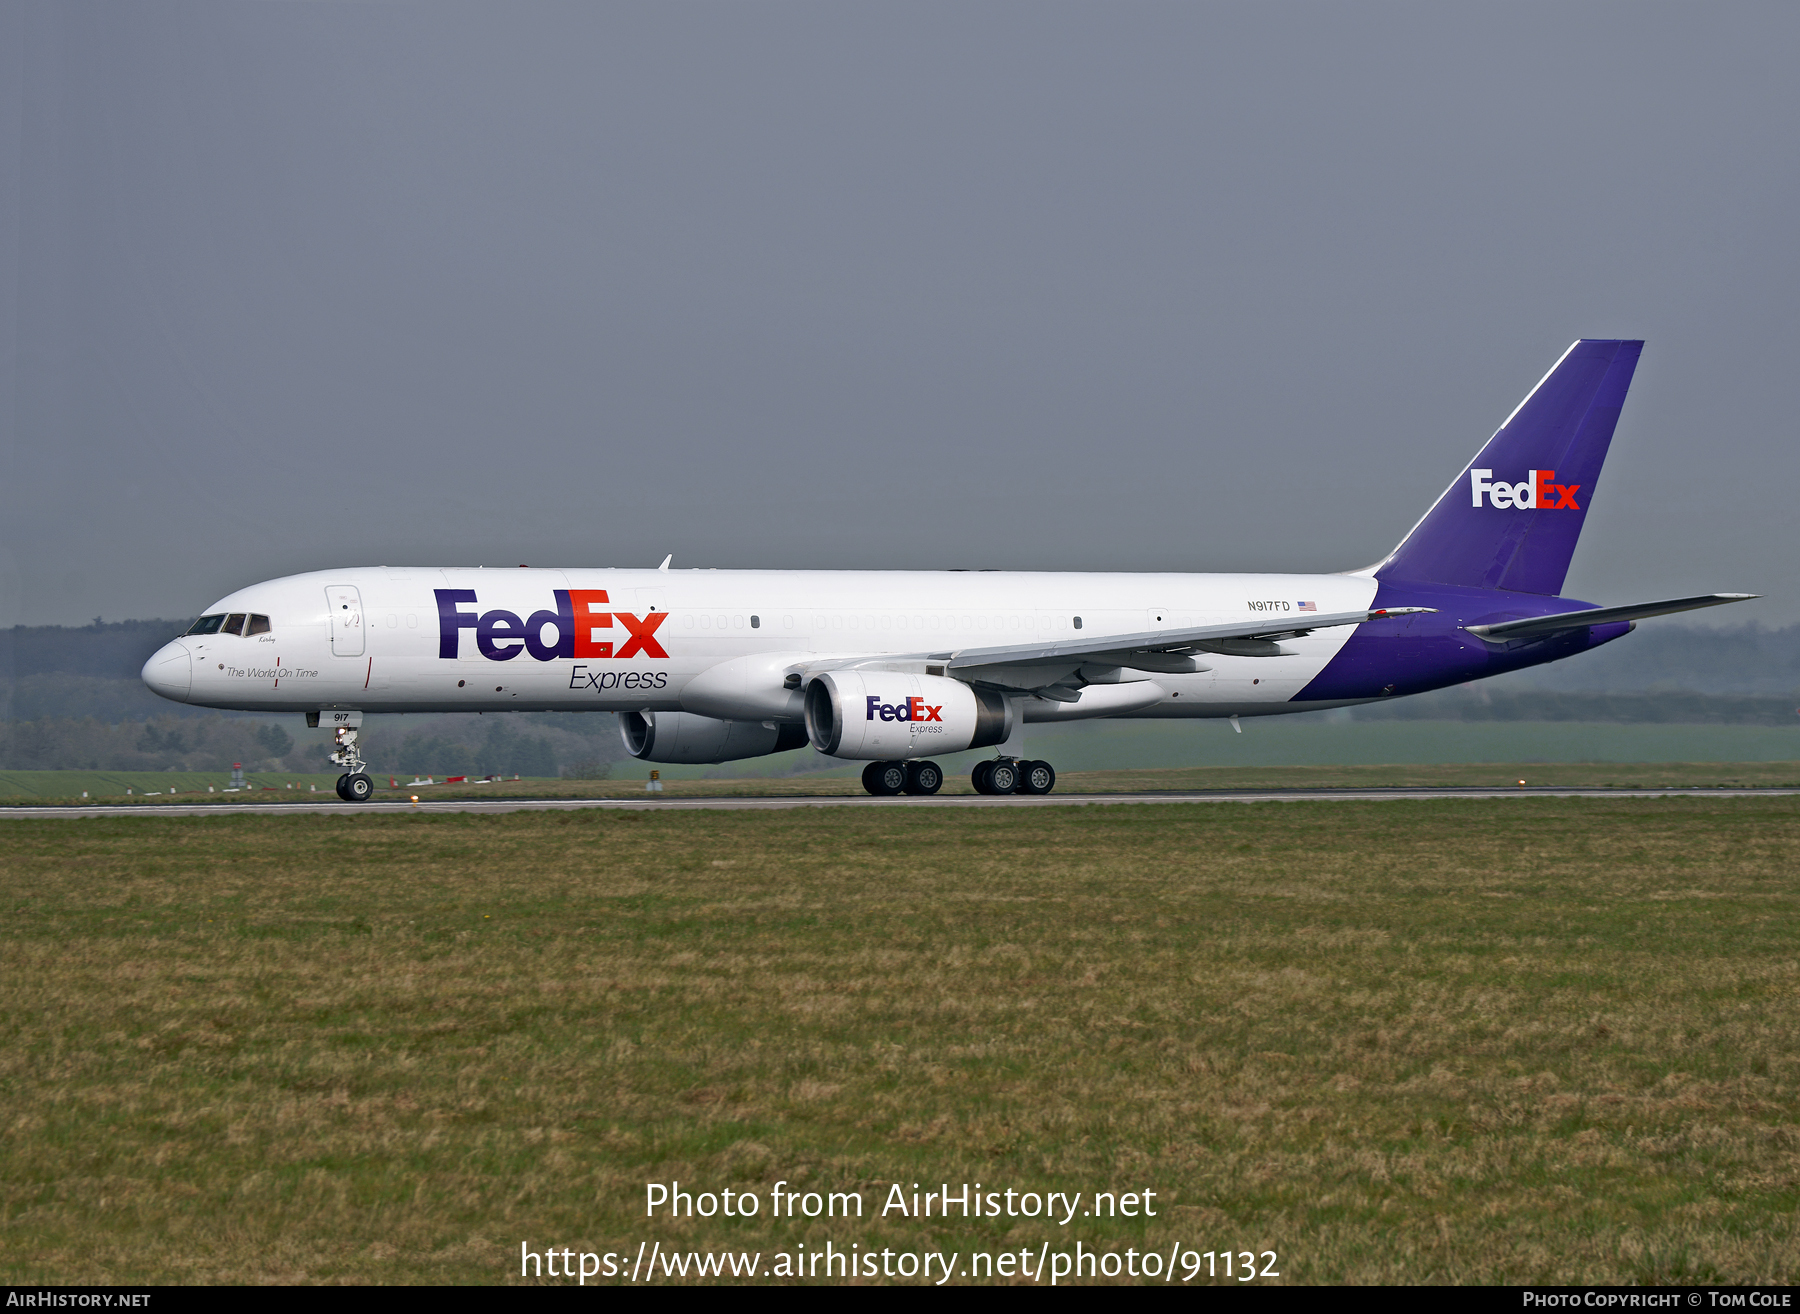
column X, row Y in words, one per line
column 497, row 805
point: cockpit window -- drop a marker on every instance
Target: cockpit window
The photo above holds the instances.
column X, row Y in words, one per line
column 234, row 624
column 207, row 625
column 258, row 625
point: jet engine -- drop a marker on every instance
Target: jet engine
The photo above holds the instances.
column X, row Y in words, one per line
column 886, row 715
column 687, row 738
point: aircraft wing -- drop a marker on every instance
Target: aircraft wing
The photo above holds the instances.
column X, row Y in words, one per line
column 1116, row 649
column 1533, row 626
column 1040, row 667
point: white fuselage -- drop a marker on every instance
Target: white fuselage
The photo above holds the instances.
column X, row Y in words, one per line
column 377, row 639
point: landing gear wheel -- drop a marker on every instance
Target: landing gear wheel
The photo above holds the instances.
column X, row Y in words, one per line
column 357, row 788
column 884, row 779
column 924, row 777
column 1036, row 778
column 979, row 778
column 1003, row 776
column 340, row 787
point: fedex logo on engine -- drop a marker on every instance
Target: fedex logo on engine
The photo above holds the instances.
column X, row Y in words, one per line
column 1535, row 493
column 500, row 635
column 909, row 709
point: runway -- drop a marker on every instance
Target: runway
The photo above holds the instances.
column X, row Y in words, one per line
column 497, row 805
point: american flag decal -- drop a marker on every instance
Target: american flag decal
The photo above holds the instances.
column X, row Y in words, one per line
column 1307, row 606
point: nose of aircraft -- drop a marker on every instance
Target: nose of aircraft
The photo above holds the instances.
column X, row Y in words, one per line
column 170, row 672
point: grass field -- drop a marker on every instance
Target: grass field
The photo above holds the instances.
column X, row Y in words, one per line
column 112, row 785
column 155, row 789
column 1481, row 752
column 1439, row 1041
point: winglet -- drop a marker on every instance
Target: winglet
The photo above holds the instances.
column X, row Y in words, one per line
column 666, row 560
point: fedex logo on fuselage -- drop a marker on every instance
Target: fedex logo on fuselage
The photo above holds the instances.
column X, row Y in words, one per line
column 500, row 635
column 1535, row 493
column 907, row 709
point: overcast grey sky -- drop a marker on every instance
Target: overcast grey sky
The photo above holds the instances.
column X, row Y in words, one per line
column 1040, row 286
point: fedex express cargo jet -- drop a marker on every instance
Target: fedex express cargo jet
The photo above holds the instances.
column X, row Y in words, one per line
column 895, row 667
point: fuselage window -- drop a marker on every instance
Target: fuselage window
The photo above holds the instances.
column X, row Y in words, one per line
column 1078, row 622
column 756, row 622
column 207, row 624
column 234, row 624
column 258, row 625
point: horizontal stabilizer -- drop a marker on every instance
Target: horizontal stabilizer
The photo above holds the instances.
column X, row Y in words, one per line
column 1533, row 626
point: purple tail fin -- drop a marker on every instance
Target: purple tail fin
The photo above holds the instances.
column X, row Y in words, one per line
column 1512, row 518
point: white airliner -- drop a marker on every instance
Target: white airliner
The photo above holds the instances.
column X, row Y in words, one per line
column 894, row 667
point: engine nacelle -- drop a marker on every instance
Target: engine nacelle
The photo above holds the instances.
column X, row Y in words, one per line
column 683, row 737
column 889, row 716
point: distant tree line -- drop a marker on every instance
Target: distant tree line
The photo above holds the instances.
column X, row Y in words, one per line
column 1479, row 702
column 70, row 698
column 500, row 751
column 167, row 743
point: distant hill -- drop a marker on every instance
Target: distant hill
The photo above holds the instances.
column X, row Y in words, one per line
column 83, row 671
column 1744, row 660
column 1661, row 673
column 113, row 649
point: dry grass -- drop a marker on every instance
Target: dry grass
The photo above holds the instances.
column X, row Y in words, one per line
column 1397, row 1042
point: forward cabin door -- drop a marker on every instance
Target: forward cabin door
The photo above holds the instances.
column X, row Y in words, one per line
column 345, row 605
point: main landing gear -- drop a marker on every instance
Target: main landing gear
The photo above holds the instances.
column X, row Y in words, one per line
column 889, row 778
column 1006, row 775
column 1001, row 775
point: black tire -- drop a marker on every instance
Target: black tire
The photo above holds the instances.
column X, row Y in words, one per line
column 924, row 777
column 868, row 778
column 341, row 792
column 979, row 778
column 358, row 787
column 1003, row 776
column 1036, row 777
column 888, row 779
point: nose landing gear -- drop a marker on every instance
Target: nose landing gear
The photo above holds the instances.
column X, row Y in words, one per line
column 354, row 786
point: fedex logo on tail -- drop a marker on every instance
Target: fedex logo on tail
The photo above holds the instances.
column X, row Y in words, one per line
column 1534, row 494
column 500, row 635
column 909, row 709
